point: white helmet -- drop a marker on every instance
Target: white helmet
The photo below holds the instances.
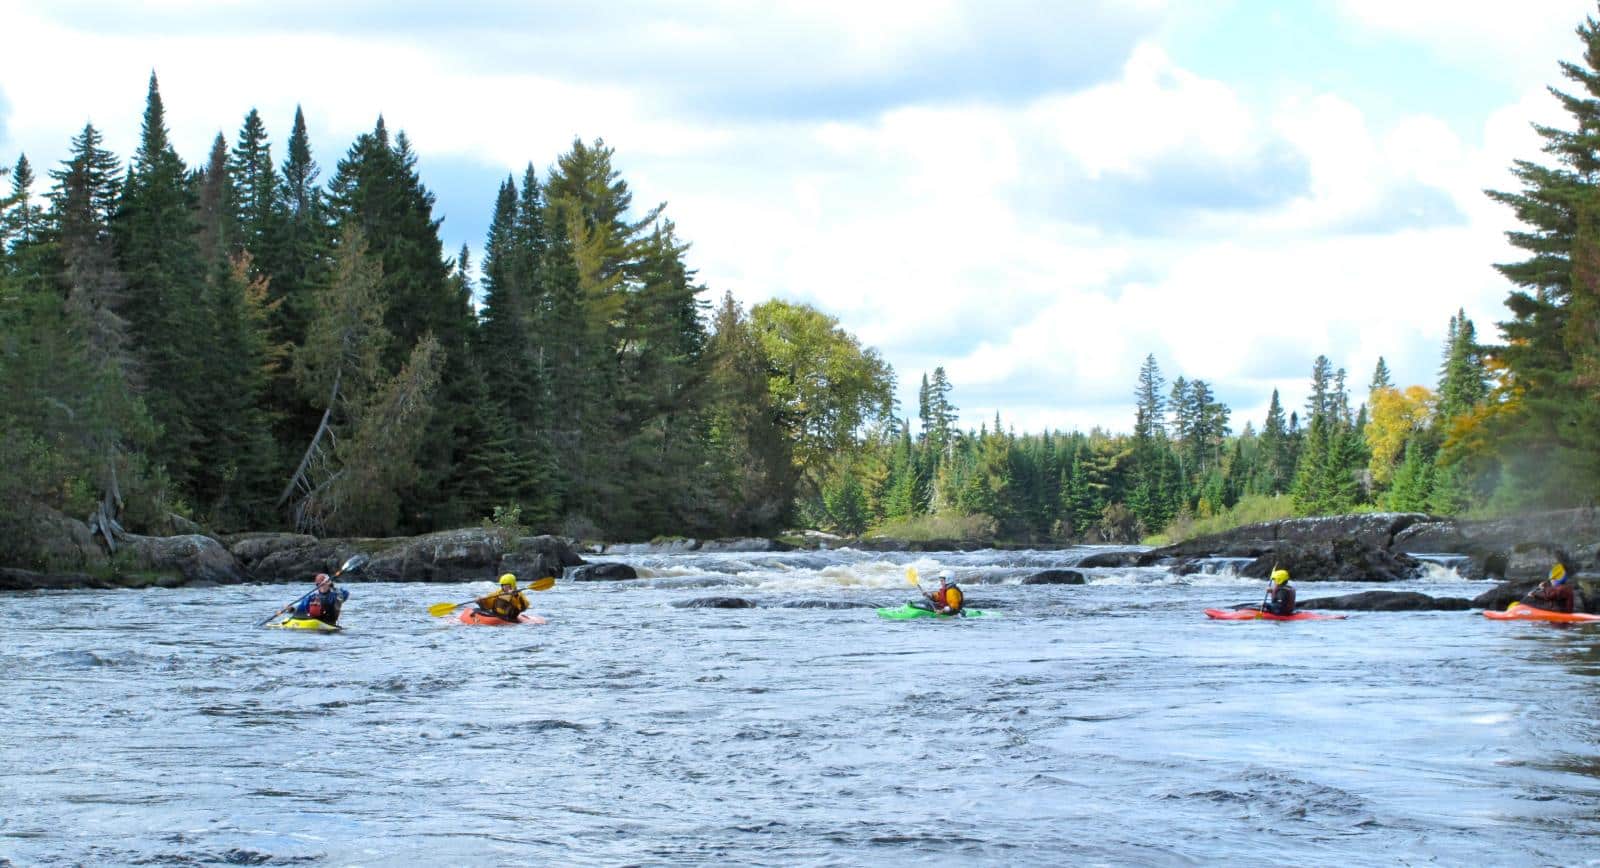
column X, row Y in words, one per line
column 946, row 576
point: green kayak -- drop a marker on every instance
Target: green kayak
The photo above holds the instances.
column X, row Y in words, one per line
column 908, row 611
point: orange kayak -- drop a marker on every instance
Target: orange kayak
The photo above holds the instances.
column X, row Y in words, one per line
column 1258, row 615
column 473, row 616
column 1519, row 612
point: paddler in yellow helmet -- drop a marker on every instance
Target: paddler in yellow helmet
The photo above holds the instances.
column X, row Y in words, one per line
column 1554, row 594
column 507, row 603
column 1280, row 595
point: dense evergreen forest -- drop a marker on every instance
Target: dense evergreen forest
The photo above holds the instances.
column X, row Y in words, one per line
column 246, row 346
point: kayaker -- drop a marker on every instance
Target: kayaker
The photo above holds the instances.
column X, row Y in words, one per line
column 948, row 599
column 507, row 603
column 324, row 603
column 1280, row 596
column 1553, row 594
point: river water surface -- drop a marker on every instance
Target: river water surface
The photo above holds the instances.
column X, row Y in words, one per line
column 1109, row 723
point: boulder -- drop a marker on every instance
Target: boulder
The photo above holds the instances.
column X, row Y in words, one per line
column 253, row 548
column 1342, row 560
column 603, row 572
column 889, row 544
column 1127, row 558
column 67, row 544
column 194, row 557
column 451, row 555
column 745, row 544
column 1375, row 530
column 1387, row 601
column 302, row 557
column 1055, row 577
column 534, row 557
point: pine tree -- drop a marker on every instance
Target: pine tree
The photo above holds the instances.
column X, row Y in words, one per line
column 1150, row 406
column 255, row 191
column 22, row 221
column 1278, row 461
column 376, row 188
column 751, row 458
column 219, row 235
column 92, row 172
column 1463, row 381
column 1413, row 481
column 155, row 231
column 1546, row 431
column 942, row 414
column 1380, row 377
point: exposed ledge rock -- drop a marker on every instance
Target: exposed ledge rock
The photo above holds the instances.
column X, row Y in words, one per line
column 1387, row 601
column 1055, row 577
column 604, row 572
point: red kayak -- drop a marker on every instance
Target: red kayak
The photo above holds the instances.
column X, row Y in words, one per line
column 1519, row 612
column 1258, row 615
column 473, row 616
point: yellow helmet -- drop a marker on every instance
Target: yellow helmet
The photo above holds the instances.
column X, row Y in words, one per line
column 1557, row 573
column 1280, row 576
column 508, row 579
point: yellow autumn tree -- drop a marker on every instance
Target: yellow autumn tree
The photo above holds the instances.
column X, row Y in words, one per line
column 1395, row 417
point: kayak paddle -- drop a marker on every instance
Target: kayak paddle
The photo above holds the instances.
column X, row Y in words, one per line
column 911, row 576
column 356, row 562
column 439, row 610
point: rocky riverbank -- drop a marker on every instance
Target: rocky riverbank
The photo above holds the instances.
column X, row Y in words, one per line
column 1375, row 547
column 199, row 559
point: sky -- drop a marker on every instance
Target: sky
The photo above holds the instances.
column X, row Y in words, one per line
column 1033, row 195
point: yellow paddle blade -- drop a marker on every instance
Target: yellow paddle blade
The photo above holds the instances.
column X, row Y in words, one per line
column 911, row 575
column 439, row 610
column 543, row 584
column 1512, row 606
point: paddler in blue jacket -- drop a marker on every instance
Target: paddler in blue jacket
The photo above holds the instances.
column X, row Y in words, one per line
column 324, row 603
column 1280, row 596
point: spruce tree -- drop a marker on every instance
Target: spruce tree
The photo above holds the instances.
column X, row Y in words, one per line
column 1150, row 406
column 1380, row 377
column 22, row 221
column 255, row 192
column 754, row 480
column 1547, row 435
column 155, row 231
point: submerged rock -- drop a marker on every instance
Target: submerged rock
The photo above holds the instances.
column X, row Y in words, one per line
column 715, row 603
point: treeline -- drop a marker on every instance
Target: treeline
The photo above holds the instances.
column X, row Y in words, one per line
column 242, row 345
column 1182, row 462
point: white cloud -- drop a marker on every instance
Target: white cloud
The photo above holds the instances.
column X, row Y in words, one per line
column 987, row 234
column 1529, row 34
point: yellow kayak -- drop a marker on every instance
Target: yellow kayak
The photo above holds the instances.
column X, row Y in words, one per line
column 305, row 624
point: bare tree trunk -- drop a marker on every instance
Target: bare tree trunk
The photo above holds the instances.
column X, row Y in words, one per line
column 298, row 478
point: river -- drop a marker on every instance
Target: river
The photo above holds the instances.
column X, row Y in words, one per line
column 1108, row 723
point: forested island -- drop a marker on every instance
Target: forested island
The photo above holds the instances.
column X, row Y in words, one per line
column 241, row 346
